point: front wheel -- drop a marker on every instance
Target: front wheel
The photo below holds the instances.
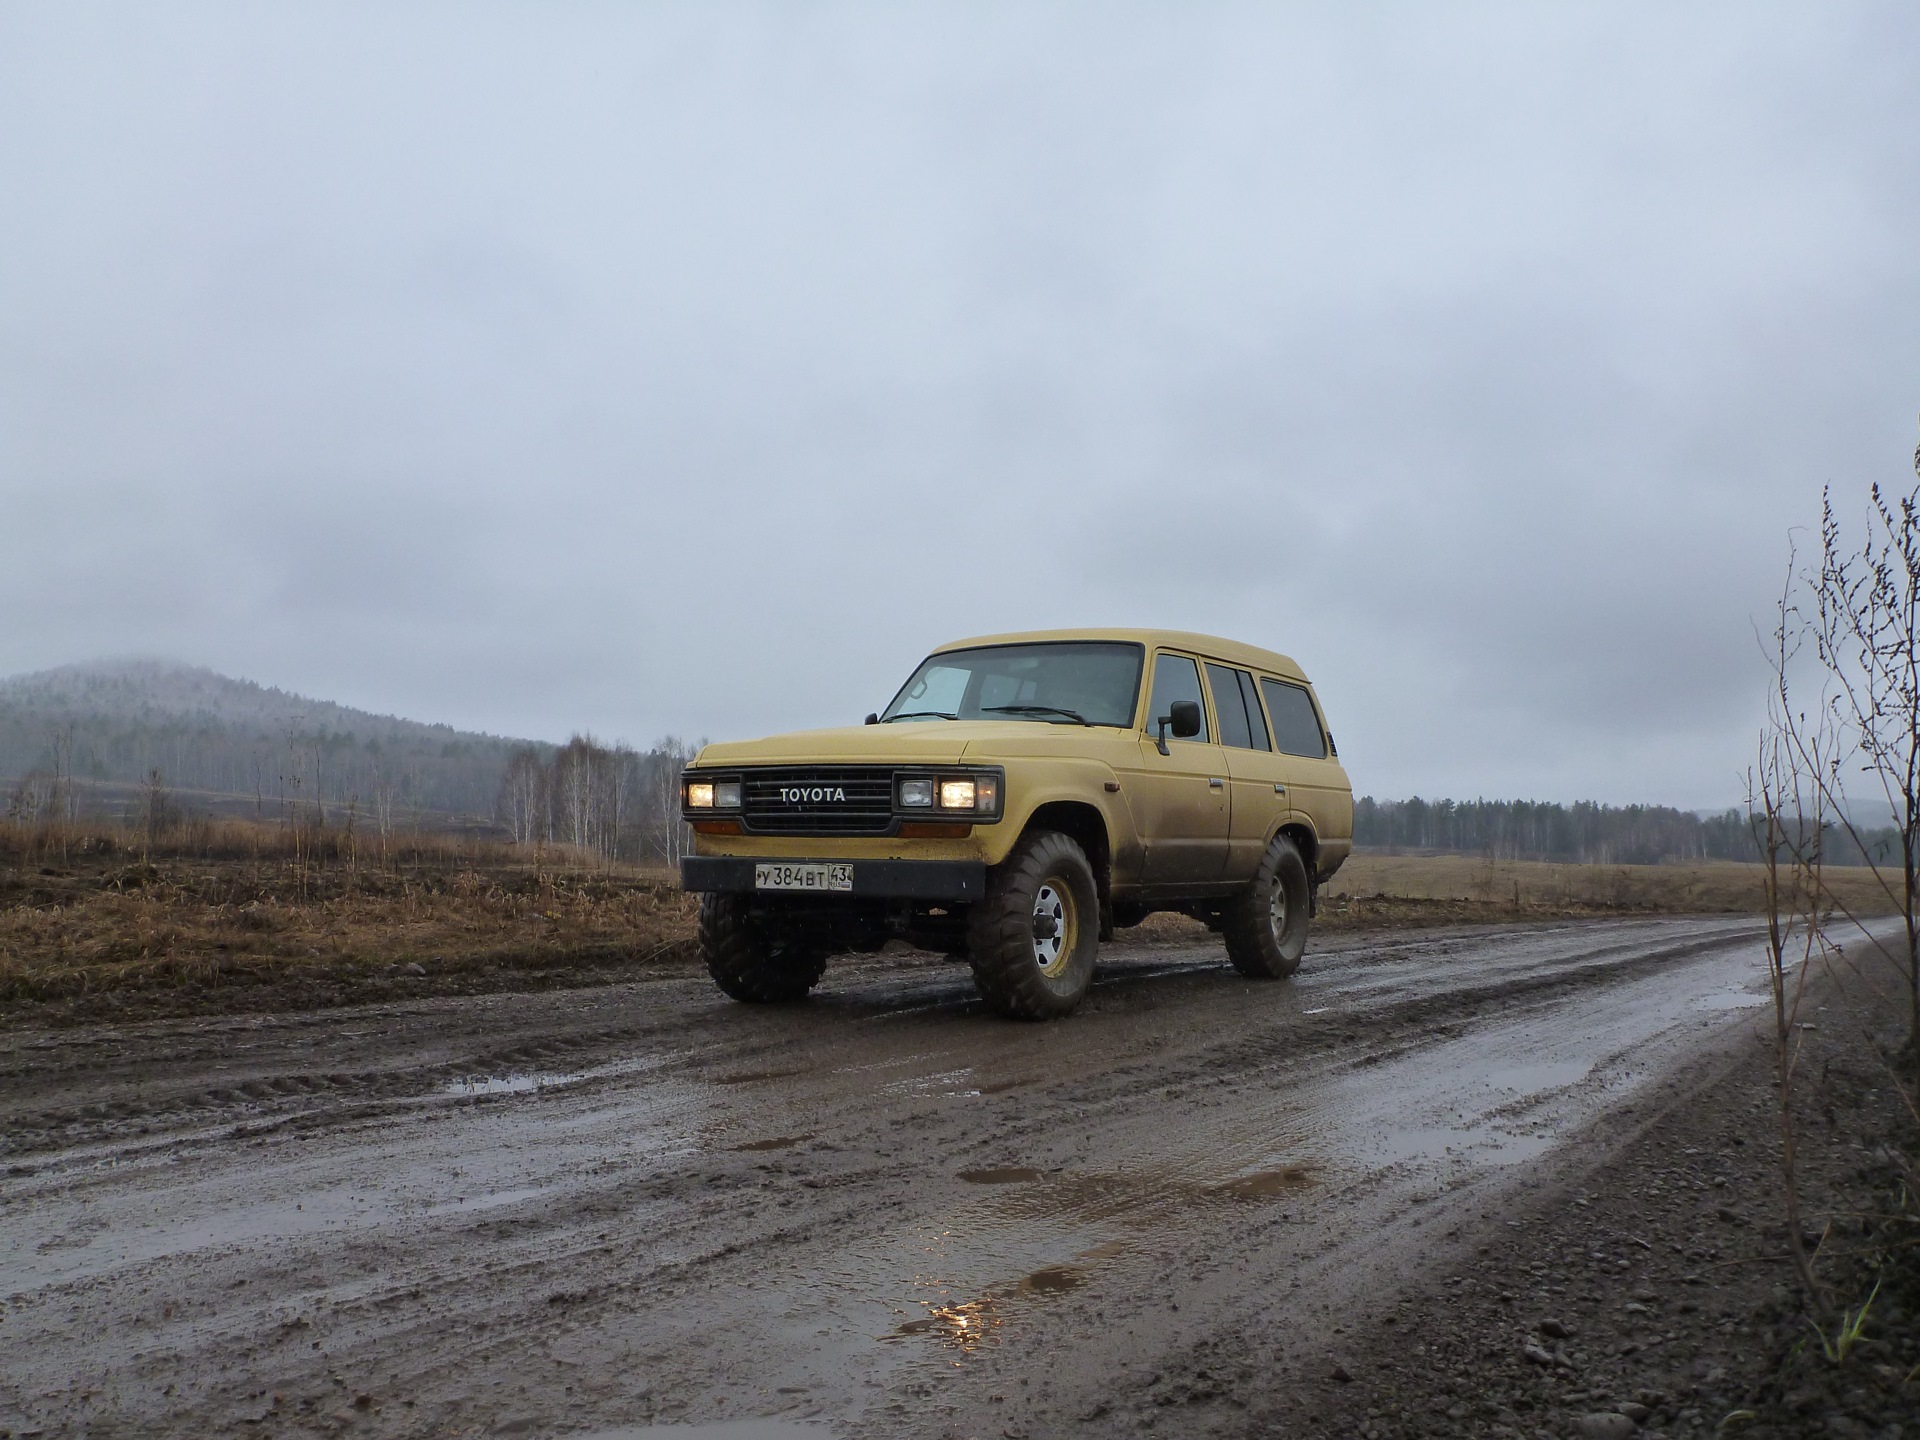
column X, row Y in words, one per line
column 750, row 957
column 1266, row 925
column 1034, row 937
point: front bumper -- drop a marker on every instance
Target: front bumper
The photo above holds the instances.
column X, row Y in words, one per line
column 957, row 880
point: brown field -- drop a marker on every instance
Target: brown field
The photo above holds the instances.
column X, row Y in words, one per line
column 229, row 914
column 1384, row 883
column 257, row 915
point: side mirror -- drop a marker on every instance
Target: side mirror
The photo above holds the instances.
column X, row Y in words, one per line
column 873, row 717
column 1185, row 720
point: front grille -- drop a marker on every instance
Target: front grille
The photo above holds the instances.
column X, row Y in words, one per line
column 820, row 800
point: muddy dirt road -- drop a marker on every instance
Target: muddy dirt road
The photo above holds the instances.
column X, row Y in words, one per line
column 883, row 1212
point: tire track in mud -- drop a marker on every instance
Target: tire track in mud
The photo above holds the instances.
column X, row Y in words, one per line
column 775, row 1206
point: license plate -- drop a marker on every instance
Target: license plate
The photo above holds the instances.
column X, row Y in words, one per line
column 803, row 877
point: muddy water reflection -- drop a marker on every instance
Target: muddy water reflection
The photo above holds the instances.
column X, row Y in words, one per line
column 515, row 1084
column 778, row 1142
column 1271, row 1184
column 967, row 1325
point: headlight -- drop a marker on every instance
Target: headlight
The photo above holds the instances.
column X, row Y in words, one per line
column 726, row 795
column 915, row 792
column 957, row 794
column 699, row 794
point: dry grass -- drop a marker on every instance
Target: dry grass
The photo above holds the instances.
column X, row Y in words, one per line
column 239, row 906
column 1527, row 886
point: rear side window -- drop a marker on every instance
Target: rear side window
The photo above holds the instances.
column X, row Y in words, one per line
column 1230, row 704
column 1296, row 728
column 1175, row 677
column 1254, row 718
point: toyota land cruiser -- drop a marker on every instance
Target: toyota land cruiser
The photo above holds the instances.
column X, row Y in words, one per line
column 1021, row 797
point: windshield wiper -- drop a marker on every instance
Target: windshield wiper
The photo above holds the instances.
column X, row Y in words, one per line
column 1073, row 715
column 919, row 715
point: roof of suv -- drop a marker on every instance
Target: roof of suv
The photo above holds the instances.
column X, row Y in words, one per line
column 1233, row 651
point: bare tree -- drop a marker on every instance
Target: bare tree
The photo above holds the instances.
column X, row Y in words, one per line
column 1860, row 609
column 31, row 798
column 385, row 790
column 156, row 809
column 1788, row 840
column 522, row 804
column 60, row 747
column 1845, row 654
column 671, row 757
column 585, row 801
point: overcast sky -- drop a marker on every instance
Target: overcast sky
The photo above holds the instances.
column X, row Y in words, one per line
column 649, row 368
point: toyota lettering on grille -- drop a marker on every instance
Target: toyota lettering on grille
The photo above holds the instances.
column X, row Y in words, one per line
column 813, row 795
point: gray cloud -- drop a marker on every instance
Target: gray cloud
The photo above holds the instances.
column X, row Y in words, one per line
column 696, row 368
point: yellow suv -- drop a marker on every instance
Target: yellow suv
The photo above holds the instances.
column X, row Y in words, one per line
column 1021, row 797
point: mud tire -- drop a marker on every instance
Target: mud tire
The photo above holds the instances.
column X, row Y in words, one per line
column 751, row 959
column 1047, row 874
column 1266, row 925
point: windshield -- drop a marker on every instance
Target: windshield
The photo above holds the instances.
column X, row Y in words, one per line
column 1060, row 683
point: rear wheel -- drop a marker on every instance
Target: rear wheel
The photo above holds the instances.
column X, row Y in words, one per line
column 1266, row 925
column 1033, row 939
column 751, row 958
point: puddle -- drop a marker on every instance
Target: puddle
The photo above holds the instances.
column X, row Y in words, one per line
column 1007, row 1175
column 1538, row 1077
column 778, row 1142
column 1001, row 1087
column 515, row 1084
column 973, row 1323
column 1482, row 1145
column 722, row 1430
column 1270, row 1184
column 1734, row 1000
column 1053, row 1280
column 946, row 1082
column 754, row 1077
column 965, row 1327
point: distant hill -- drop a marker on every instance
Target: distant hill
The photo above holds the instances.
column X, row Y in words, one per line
column 243, row 747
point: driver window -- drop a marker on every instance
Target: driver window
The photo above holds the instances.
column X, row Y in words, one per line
column 1175, row 677
column 941, row 689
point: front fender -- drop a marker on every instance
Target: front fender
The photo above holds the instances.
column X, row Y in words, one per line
column 1031, row 787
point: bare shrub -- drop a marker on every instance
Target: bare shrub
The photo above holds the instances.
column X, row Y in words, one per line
column 1844, row 711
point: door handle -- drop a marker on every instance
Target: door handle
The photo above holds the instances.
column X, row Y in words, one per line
column 1279, row 789
column 1215, row 782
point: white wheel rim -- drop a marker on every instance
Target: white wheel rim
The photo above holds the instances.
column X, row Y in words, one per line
column 1277, row 911
column 1052, row 929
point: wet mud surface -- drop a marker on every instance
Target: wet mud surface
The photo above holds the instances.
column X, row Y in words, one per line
column 881, row 1213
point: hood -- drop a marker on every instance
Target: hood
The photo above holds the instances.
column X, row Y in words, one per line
column 910, row 742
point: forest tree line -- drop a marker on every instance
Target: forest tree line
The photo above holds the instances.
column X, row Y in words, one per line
column 1584, row 833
